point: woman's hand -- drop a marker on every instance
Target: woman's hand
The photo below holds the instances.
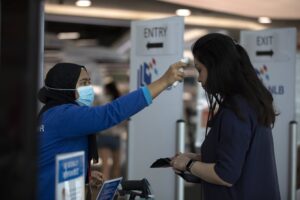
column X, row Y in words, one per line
column 168, row 78
column 96, row 179
column 193, row 156
column 179, row 162
column 205, row 171
column 174, row 73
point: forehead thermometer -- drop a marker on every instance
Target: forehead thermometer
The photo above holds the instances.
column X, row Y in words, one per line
column 185, row 61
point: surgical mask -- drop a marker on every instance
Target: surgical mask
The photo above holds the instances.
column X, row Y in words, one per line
column 86, row 95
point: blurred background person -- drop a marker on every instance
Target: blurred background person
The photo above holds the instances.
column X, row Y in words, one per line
column 109, row 141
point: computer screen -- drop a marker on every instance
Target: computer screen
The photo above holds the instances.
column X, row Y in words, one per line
column 109, row 189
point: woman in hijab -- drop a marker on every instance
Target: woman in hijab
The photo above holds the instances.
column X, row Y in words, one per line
column 68, row 121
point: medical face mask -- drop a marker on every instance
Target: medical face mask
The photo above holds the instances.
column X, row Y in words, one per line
column 86, row 95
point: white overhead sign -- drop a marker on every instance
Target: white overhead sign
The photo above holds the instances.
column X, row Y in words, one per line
column 157, row 39
column 156, row 44
column 273, row 54
column 267, row 46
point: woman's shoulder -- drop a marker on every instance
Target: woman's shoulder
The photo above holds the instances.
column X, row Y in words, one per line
column 239, row 107
column 240, row 102
column 55, row 111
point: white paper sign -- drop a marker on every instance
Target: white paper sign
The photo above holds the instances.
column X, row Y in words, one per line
column 70, row 176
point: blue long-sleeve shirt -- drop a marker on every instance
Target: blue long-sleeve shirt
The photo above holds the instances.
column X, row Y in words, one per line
column 65, row 128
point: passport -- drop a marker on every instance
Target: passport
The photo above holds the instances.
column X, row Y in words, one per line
column 165, row 162
column 162, row 162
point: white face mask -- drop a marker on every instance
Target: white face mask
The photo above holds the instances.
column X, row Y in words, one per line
column 86, row 95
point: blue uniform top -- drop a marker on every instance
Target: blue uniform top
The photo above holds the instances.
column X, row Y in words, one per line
column 243, row 151
column 65, row 128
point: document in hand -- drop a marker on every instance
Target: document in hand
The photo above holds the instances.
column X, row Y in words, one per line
column 162, row 162
column 165, row 162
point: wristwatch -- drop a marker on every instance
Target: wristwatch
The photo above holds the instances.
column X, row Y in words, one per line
column 189, row 165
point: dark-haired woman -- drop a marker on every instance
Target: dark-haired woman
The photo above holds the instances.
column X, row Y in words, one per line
column 67, row 119
column 237, row 159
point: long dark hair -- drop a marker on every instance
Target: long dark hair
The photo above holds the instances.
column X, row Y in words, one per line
column 231, row 73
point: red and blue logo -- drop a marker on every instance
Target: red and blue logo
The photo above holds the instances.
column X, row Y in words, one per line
column 145, row 73
column 262, row 73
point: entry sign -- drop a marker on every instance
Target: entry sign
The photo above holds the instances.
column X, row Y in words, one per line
column 156, row 39
column 273, row 54
column 156, row 44
column 70, row 176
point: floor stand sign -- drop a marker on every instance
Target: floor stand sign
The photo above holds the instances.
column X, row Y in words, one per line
column 156, row 44
column 273, row 54
column 70, row 176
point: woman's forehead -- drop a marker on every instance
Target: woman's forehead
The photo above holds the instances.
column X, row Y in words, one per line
column 84, row 74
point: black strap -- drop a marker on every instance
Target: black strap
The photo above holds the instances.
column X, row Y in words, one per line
column 189, row 177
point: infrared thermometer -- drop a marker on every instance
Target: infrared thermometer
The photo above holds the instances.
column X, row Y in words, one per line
column 185, row 61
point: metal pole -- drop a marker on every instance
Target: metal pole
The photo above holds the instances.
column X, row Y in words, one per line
column 293, row 161
column 180, row 144
column 41, row 52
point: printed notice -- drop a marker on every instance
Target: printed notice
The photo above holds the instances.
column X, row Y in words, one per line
column 70, row 176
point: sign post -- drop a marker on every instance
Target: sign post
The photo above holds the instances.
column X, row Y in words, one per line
column 156, row 44
column 273, row 55
column 70, row 176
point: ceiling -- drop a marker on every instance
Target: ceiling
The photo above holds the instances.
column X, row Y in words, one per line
column 107, row 20
column 104, row 34
column 276, row 9
column 104, row 28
